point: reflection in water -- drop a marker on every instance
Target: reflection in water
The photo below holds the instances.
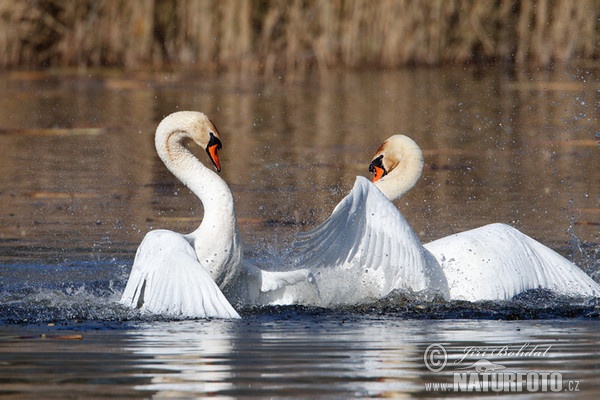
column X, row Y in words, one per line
column 278, row 358
column 284, row 353
column 312, row 356
column 185, row 357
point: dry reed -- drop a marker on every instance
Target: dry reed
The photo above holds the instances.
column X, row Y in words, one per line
column 295, row 35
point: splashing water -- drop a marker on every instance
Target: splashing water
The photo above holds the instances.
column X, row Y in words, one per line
column 89, row 293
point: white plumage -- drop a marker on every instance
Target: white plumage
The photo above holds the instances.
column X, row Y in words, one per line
column 366, row 249
column 497, row 262
column 199, row 274
column 167, row 279
column 363, row 252
column 179, row 275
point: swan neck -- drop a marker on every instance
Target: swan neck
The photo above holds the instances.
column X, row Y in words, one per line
column 218, row 224
column 216, row 241
column 202, row 181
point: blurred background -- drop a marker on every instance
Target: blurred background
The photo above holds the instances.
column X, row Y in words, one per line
column 268, row 36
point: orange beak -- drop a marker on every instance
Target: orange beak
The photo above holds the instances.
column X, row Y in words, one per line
column 213, row 147
column 214, row 156
column 377, row 172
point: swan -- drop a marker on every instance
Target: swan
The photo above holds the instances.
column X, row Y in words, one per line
column 179, row 275
column 199, row 274
column 366, row 249
column 367, row 239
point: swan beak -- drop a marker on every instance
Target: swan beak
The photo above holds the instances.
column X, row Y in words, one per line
column 377, row 169
column 377, row 173
column 213, row 147
column 214, row 156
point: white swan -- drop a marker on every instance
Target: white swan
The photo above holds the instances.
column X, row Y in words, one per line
column 366, row 249
column 368, row 242
column 179, row 275
column 197, row 275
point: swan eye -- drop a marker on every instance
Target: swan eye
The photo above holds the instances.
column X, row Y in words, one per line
column 214, row 141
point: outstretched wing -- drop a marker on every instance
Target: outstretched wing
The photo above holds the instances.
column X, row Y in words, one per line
column 366, row 230
column 167, row 279
column 497, row 262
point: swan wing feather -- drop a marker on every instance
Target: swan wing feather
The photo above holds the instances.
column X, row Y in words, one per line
column 497, row 262
column 166, row 278
column 367, row 230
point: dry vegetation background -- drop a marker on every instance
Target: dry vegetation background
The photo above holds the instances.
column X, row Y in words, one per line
column 275, row 35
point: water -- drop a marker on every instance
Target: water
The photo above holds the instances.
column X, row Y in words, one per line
column 80, row 184
column 289, row 353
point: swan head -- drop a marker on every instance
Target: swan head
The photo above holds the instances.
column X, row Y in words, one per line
column 190, row 125
column 396, row 166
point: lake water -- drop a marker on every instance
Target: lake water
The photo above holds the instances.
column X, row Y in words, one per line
column 80, row 185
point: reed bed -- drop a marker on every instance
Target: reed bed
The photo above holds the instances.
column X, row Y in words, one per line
column 294, row 35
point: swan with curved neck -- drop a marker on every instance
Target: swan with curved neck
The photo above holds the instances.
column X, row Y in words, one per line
column 216, row 241
column 366, row 250
column 182, row 275
column 198, row 274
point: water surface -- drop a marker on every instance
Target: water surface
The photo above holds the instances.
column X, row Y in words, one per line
column 290, row 353
column 80, row 185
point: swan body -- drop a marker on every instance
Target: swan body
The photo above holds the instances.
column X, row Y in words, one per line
column 366, row 249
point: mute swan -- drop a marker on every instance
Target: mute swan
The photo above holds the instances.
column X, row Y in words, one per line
column 493, row 262
column 198, row 274
column 366, row 249
column 368, row 239
column 179, row 275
